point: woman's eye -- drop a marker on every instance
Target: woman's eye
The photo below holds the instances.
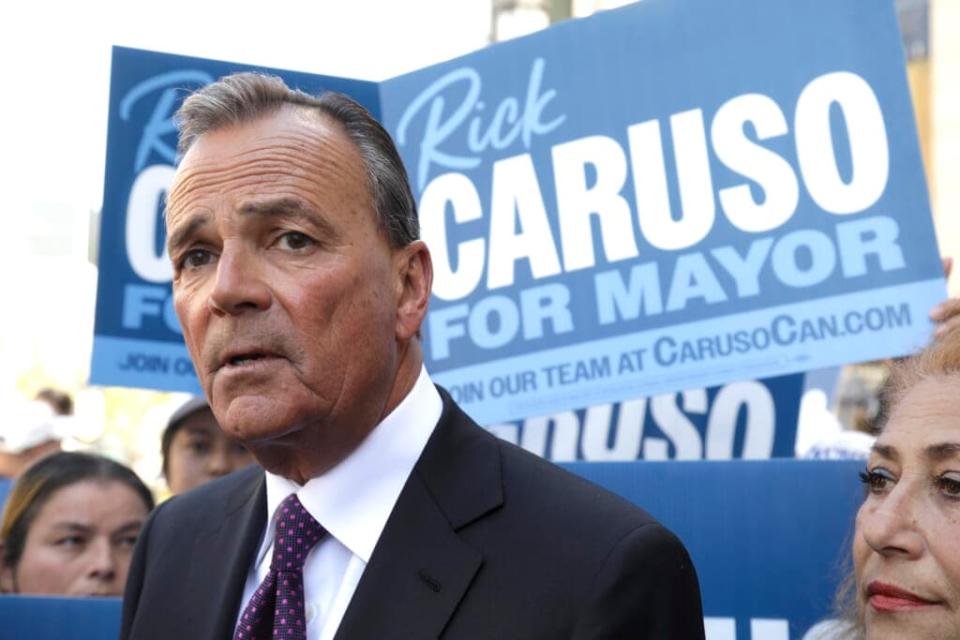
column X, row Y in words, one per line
column 128, row 541
column 69, row 541
column 294, row 240
column 949, row 485
column 876, row 480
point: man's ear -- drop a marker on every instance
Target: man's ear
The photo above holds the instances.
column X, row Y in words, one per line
column 414, row 270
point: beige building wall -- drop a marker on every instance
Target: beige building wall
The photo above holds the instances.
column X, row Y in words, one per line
column 943, row 155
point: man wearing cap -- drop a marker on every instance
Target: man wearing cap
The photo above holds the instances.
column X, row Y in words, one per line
column 32, row 431
column 195, row 449
column 385, row 512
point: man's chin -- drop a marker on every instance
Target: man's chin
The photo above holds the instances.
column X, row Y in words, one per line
column 255, row 419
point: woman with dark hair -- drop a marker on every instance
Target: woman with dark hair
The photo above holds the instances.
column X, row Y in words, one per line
column 70, row 525
column 906, row 548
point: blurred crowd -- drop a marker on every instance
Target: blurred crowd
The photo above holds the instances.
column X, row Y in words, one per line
column 70, row 519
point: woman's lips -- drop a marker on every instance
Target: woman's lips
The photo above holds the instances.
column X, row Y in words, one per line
column 889, row 598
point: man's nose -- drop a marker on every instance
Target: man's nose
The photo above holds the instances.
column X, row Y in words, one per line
column 239, row 286
column 218, row 462
column 891, row 528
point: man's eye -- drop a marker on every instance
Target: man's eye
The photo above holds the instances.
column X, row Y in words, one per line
column 196, row 258
column 199, row 447
column 877, row 480
column 294, row 241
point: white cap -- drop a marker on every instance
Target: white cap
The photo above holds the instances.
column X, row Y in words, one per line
column 29, row 424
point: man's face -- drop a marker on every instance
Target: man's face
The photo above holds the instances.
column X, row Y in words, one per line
column 285, row 286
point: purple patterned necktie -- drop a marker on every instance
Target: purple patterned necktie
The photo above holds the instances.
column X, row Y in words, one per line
column 276, row 608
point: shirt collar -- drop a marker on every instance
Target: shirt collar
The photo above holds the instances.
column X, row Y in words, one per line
column 353, row 500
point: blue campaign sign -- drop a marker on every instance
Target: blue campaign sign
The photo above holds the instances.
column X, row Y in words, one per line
column 752, row 419
column 770, row 539
column 137, row 340
column 672, row 195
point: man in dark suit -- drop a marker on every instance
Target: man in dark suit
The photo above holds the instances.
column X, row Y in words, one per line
column 301, row 285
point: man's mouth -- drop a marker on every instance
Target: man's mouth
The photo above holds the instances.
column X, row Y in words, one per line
column 246, row 359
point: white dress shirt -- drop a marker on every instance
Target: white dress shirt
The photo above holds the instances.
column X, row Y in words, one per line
column 352, row 502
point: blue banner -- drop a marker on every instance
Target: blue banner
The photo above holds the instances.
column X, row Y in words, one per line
column 769, row 539
column 39, row 618
column 668, row 196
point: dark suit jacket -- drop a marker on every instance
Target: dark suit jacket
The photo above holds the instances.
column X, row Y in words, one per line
column 486, row 541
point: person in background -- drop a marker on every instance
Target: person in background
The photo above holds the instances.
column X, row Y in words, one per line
column 59, row 401
column 33, row 430
column 906, row 581
column 70, row 526
column 850, row 431
column 196, row 451
column 858, row 410
column 30, row 432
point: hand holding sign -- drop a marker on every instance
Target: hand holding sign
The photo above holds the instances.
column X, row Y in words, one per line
column 947, row 313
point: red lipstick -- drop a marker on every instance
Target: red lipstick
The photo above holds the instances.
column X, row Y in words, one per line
column 887, row 598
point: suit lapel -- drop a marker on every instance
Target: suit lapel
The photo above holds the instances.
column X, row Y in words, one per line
column 420, row 568
column 416, row 576
column 222, row 558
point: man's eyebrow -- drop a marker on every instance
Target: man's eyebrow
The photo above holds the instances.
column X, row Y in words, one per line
column 199, row 430
column 942, row 451
column 276, row 207
column 289, row 208
column 179, row 237
column 292, row 208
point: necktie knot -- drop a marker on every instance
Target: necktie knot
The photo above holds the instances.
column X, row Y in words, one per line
column 297, row 533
